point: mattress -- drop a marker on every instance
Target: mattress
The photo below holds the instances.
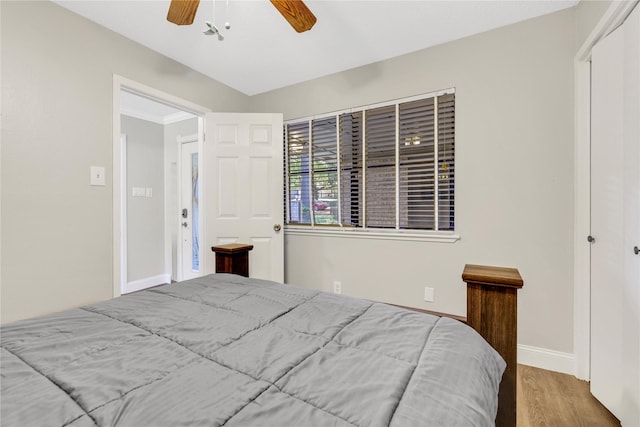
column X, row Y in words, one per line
column 228, row 350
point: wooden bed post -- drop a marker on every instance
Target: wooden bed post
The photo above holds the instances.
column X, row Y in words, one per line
column 492, row 302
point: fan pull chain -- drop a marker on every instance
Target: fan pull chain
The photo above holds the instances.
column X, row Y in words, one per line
column 227, row 25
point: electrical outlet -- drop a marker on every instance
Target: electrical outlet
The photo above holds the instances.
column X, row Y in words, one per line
column 428, row 294
column 337, row 287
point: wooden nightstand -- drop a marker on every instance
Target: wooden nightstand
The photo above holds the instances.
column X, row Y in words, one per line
column 232, row 258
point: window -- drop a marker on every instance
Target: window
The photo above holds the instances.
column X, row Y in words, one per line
column 389, row 166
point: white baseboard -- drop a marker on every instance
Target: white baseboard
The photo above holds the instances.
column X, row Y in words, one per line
column 138, row 285
column 547, row 359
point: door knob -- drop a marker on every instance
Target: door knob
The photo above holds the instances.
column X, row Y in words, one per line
column 636, row 250
column 591, row 239
column 185, row 224
column 277, row 227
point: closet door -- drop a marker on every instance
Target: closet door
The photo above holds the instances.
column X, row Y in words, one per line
column 630, row 413
column 615, row 273
column 607, row 276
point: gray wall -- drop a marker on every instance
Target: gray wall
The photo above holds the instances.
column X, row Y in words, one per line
column 145, row 222
column 57, row 122
column 514, row 175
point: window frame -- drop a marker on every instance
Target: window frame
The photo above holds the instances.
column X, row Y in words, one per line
column 339, row 230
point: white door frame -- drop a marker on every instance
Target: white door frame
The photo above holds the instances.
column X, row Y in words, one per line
column 123, row 211
column 184, row 140
column 119, row 241
column 612, row 19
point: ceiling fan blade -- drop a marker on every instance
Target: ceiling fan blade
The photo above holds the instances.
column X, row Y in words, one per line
column 297, row 13
column 182, row 12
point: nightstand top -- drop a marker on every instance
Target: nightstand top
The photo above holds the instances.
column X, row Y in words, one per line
column 232, row 248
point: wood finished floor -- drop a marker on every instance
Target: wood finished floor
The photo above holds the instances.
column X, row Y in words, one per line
column 547, row 398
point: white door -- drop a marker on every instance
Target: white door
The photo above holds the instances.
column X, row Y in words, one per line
column 190, row 211
column 629, row 414
column 242, row 168
column 615, row 218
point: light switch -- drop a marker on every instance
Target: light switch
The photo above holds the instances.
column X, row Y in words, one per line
column 149, row 192
column 138, row 192
column 97, row 175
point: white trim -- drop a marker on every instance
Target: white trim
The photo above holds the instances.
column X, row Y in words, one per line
column 158, row 96
column 147, row 282
column 397, row 167
column 613, row 17
column 363, row 108
column 122, row 83
column 369, row 233
column 546, row 359
column 119, row 242
column 161, row 120
column 177, row 117
column 287, row 189
column 363, row 162
column 436, row 166
column 582, row 221
column 312, row 215
column 123, row 212
column 178, row 272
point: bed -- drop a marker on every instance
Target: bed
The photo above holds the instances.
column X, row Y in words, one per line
column 228, row 350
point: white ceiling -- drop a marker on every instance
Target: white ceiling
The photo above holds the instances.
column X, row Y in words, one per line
column 261, row 52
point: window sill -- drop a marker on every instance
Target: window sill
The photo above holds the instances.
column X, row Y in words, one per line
column 409, row 235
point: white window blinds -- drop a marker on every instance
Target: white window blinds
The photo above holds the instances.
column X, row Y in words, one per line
column 380, row 171
column 298, row 173
column 351, row 161
column 324, row 151
column 416, row 162
column 446, row 164
column 390, row 166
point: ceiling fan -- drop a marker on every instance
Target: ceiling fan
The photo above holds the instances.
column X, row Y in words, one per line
column 182, row 12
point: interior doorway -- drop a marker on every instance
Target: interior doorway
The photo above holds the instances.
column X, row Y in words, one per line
column 239, row 187
column 152, row 135
column 151, row 127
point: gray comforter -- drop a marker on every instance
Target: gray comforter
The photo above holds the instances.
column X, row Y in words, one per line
column 226, row 350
